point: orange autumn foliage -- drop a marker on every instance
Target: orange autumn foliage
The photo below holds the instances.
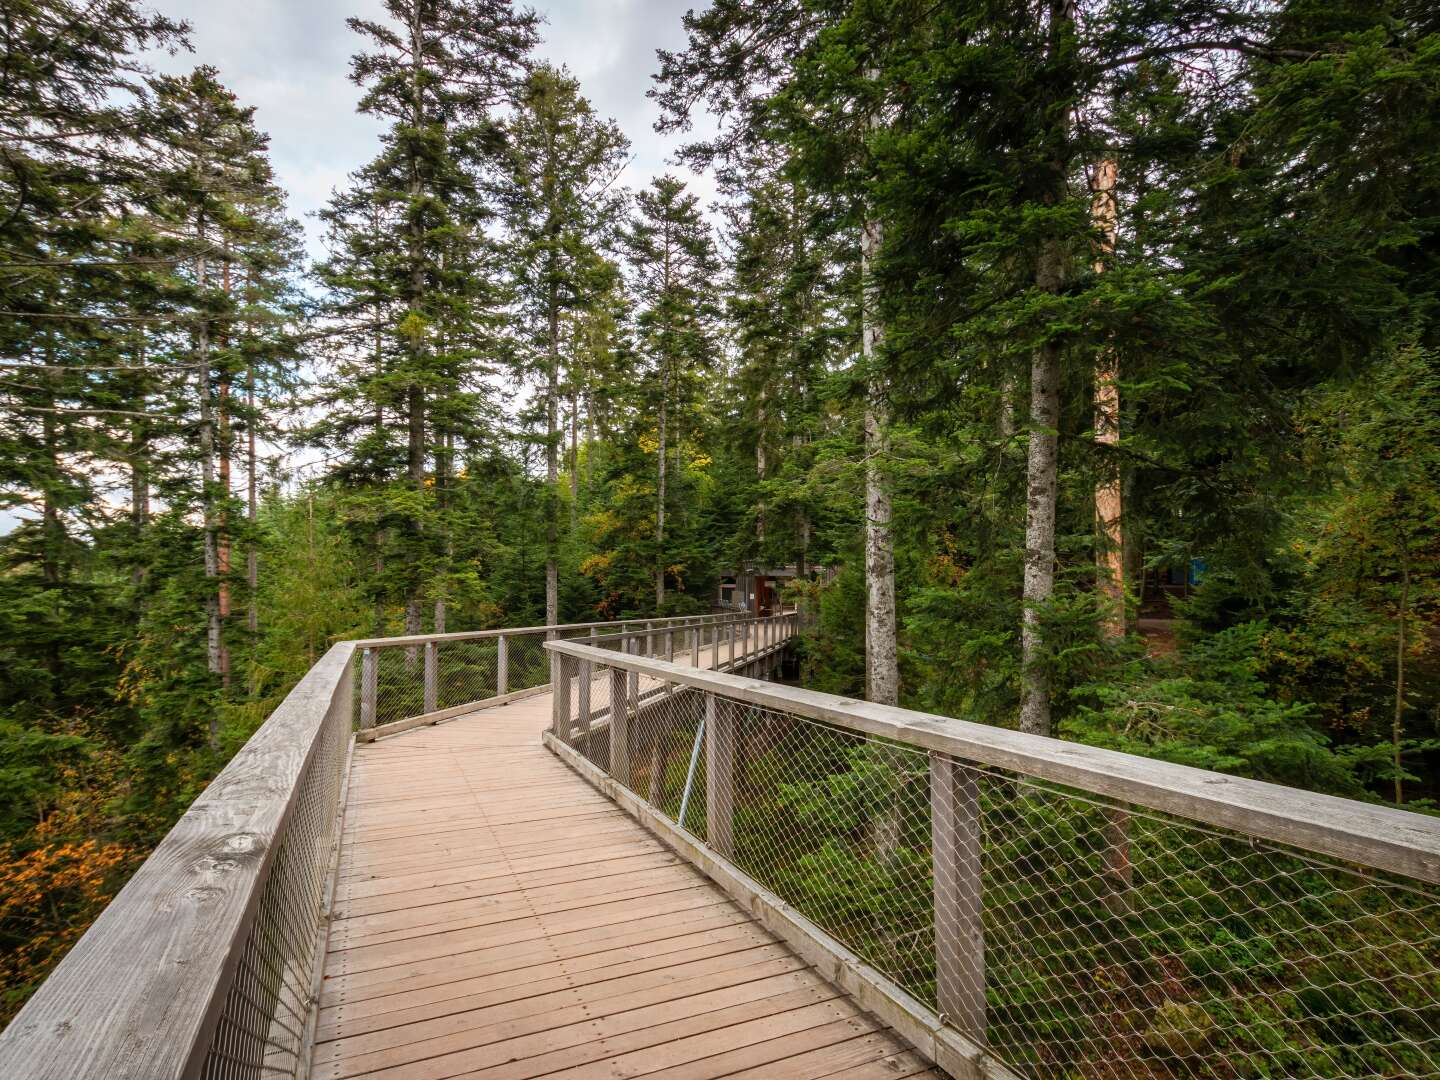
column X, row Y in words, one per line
column 48, row 897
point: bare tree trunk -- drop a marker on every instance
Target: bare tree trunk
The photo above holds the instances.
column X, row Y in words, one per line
column 660, row 495
column 415, row 395
column 1397, row 729
column 574, row 458
column 222, row 553
column 882, row 672
column 1036, row 679
column 252, row 508
column 552, row 470
column 213, row 660
column 138, row 453
column 1109, row 539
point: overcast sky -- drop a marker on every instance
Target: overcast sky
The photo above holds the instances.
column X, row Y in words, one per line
column 290, row 59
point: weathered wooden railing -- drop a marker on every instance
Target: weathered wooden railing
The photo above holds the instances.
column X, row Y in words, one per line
column 207, row 961
column 1023, row 906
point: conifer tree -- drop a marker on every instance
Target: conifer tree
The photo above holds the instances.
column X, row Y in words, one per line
column 439, row 72
column 673, row 274
column 560, row 206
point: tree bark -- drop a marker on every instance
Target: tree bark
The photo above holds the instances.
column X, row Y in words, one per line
column 1037, row 676
column 1397, row 729
column 882, row 672
column 660, row 494
column 1109, row 538
column 415, row 395
column 1041, row 480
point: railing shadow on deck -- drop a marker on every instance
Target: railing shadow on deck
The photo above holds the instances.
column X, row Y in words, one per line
column 207, row 963
column 1022, row 906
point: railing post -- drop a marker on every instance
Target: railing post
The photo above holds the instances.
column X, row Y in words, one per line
column 955, row 851
column 432, row 676
column 582, row 704
column 695, row 646
column 734, row 627
column 619, row 726
column 634, row 649
column 502, row 666
column 670, row 644
column 560, row 668
column 369, row 684
column 650, row 647
column 720, row 774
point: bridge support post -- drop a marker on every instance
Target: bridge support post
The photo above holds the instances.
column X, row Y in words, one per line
column 369, row 683
column 620, row 726
column 432, row 676
column 955, row 849
column 502, row 666
column 695, row 646
column 734, row 629
column 720, row 774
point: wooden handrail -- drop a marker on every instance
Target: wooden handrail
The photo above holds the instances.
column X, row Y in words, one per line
column 142, row 992
column 1379, row 837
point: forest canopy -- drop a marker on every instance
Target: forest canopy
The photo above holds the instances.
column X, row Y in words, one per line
column 1080, row 359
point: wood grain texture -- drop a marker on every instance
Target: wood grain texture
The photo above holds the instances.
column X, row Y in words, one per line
column 496, row 916
column 1379, row 837
column 138, row 994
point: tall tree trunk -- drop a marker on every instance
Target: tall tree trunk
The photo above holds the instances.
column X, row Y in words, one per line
column 660, row 494
column 252, row 510
column 760, row 466
column 1041, row 481
column 882, row 671
column 1109, row 538
column 138, row 453
column 415, row 395
column 574, row 458
column 213, row 643
column 222, row 534
column 1397, row 730
column 552, row 468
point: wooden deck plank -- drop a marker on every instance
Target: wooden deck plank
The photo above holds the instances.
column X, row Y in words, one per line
column 495, row 916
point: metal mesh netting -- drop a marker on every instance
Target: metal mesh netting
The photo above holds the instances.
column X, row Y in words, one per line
column 1076, row 938
column 468, row 670
column 260, row 1031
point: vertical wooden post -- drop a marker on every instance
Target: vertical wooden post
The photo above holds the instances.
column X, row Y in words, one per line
column 955, row 849
column 734, row 629
column 670, row 644
column 502, row 666
column 1119, row 871
column 619, row 726
column 432, row 676
column 561, row 669
column 651, row 649
column 720, row 774
column 634, row 649
column 582, row 705
column 369, row 684
column 695, row 647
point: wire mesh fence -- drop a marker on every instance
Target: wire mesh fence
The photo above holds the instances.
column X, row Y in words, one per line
column 424, row 676
column 262, row 1022
column 1068, row 935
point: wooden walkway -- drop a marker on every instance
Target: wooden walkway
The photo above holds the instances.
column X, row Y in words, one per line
column 497, row 917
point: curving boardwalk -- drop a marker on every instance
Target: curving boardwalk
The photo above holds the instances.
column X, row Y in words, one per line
column 497, row 917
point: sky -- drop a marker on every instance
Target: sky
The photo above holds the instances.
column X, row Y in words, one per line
column 290, row 59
